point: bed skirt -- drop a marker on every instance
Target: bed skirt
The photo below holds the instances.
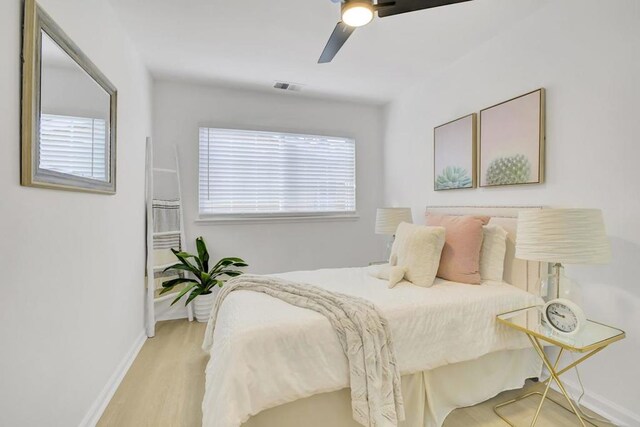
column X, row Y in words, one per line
column 429, row 396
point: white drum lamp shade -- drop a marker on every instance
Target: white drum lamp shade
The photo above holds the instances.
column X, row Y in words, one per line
column 567, row 236
column 388, row 219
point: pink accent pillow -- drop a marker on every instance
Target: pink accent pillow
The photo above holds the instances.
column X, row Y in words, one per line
column 460, row 259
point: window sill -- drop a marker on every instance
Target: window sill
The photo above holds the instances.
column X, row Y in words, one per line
column 237, row 219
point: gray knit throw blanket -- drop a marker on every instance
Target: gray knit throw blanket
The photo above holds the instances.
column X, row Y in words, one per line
column 376, row 397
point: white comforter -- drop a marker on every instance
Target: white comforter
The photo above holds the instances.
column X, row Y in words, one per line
column 266, row 352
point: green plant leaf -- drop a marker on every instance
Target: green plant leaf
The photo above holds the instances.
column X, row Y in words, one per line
column 225, row 262
column 179, row 266
column 183, row 257
column 203, row 253
column 206, row 280
column 186, row 255
column 230, row 273
column 194, row 294
column 165, row 290
column 199, row 262
column 183, row 292
column 173, row 282
column 183, row 254
column 233, row 273
column 221, row 264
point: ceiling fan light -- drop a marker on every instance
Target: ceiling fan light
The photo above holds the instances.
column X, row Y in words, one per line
column 357, row 13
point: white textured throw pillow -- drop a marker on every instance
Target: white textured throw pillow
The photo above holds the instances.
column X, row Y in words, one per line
column 417, row 249
column 494, row 249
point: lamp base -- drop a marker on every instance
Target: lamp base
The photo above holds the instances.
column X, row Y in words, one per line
column 558, row 285
column 389, row 246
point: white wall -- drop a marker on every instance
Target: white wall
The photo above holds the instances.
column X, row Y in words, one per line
column 586, row 54
column 72, row 264
column 180, row 108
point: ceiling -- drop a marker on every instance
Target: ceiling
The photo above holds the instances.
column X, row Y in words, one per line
column 256, row 42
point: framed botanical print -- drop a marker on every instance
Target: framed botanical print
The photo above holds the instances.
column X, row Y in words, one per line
column 512, row 138
column 454, row 154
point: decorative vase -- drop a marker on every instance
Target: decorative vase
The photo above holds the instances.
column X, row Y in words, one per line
column 202, row 306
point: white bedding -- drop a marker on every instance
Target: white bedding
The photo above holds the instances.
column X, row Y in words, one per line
column 267, row 352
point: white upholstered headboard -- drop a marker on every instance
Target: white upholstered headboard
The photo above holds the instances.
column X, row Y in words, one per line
column 520, row 273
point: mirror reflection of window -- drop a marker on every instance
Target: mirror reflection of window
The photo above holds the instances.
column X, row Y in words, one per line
column 73, row 145
column 74, row 117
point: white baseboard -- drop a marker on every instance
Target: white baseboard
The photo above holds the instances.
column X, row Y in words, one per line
column 100, row 404
column 615, row 413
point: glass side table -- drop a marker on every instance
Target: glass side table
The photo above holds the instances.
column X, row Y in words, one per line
column 592, row 339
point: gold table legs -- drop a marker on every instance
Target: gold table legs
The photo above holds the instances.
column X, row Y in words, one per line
column 554, row 376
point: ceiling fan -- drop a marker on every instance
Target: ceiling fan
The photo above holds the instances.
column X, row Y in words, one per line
column 356, row 13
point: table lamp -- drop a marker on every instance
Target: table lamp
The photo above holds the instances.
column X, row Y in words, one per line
column 562, row 236
column 388, row 219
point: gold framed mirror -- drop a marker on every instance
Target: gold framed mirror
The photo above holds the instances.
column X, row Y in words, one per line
column 68, row 112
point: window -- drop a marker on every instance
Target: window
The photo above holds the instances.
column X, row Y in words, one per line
column 256, row 173
column 73, row 145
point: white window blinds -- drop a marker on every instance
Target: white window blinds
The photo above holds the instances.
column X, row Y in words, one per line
column 268, row 173
column 73, row 145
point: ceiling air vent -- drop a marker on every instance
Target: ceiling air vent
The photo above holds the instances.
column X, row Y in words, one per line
column 288, row 86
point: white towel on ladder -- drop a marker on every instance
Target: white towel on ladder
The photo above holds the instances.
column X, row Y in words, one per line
column 166, row 216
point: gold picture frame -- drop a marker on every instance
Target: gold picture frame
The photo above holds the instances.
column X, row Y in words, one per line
column 454, row 154
column 511, row 141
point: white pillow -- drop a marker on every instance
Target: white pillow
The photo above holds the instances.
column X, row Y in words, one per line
column 417, row 249
column 494, row 249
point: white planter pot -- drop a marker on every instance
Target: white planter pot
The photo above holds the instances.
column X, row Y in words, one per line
column 202, row 306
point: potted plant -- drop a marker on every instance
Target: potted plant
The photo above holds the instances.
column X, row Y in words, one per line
column 200, row 287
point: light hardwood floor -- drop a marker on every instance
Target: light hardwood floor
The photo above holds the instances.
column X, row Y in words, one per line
column 165, row 386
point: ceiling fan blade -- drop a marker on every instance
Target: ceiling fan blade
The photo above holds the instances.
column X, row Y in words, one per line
column 339, row 35
column 404, row 6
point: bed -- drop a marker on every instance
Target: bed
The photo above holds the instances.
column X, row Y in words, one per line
column 276, row 365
